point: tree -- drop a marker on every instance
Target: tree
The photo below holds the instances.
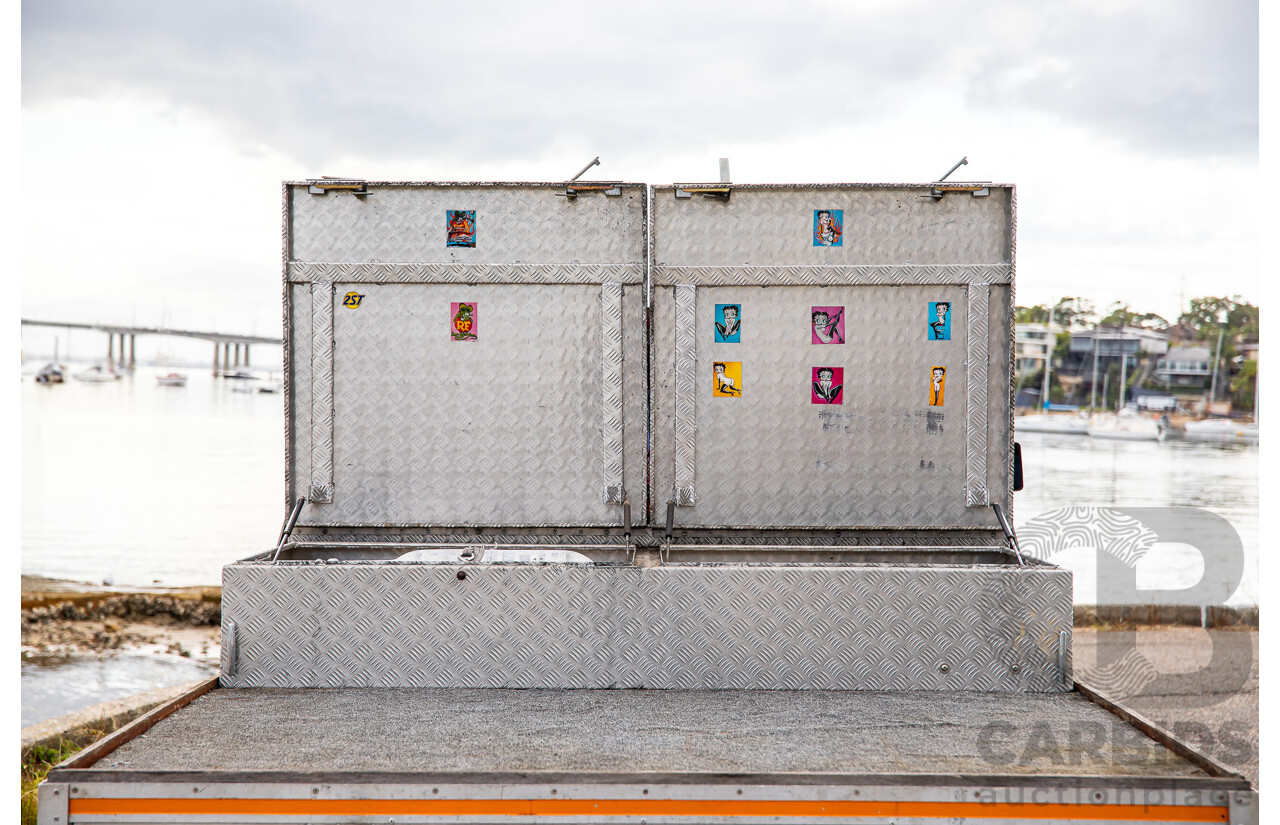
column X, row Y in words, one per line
column 1074, row 313
column 1242, row 385
column 1122, row 316
column 1235, row 315
column 1038, row 314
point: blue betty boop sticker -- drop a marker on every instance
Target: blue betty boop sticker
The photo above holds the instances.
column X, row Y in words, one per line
column 939, row 320
column 828, row 227
column 728, row 323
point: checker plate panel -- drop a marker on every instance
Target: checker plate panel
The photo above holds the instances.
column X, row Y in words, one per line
column 586, row 626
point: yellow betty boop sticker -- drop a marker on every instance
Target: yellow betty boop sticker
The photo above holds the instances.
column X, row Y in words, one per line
column 727, row 379
column 352, row 300
column 937, row 385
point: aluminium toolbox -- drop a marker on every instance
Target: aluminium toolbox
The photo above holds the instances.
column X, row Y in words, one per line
column 748, row 445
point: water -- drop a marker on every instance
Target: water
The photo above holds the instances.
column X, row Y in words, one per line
column 54, row 685
column 139, row 484
column 1069, row 470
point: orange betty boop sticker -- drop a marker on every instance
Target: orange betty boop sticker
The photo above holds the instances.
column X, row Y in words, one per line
column 937, row 385
column 726, row 377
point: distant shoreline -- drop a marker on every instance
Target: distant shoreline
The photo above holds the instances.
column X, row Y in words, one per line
column 42, row 591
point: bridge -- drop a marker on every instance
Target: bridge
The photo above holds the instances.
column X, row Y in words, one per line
column 223, row 342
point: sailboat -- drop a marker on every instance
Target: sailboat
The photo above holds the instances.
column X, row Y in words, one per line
column 1045, row 423
column 98, row 374
column 51, row 373
column 1222, row 430
column 1126, row 425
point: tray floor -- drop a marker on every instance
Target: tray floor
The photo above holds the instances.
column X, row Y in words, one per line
column 630, row 731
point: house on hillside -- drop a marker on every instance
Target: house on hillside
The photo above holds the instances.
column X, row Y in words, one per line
column 1185, row 367
column 1092, row 353
column 1032, row 344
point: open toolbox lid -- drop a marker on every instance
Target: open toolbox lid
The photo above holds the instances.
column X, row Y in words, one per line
column 833, row 356
column 455, row 352
column 522, row 358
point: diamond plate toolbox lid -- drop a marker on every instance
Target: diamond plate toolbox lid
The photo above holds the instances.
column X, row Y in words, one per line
column 832, row 356
column 463, row 354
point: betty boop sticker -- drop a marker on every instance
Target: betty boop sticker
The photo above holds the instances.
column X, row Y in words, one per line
column 828, row 325
column 939, row 320
column 828, row 227
column 937, row 385
column 728, row 323
column 827, row 386
column 726, row 379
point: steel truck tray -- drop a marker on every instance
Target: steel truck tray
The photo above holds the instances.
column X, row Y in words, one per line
column 266, row 755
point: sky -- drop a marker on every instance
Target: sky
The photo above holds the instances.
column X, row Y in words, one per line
column 155, row 135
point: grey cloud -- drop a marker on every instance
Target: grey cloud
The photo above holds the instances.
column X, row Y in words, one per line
column 508, row 80
column 1170, row 79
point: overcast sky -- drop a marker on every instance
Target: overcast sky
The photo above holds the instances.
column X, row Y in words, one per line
column 156, row 134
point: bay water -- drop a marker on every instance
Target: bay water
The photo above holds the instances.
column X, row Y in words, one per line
column 136, row 484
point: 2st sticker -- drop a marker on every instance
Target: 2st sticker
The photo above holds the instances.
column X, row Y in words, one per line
column 352, row 300
column 460, row 227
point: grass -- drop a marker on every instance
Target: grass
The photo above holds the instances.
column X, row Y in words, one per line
column 37, row 762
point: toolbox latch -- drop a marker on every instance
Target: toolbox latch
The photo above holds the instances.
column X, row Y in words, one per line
column 322, row 186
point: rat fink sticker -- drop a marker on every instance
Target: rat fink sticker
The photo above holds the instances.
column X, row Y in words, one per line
column 828, row 325
column 728, row 323
column 726, row 379
column 460, row 227
column 828, row 227
column 937, row 385
column 827, row 385
column 464, row 320
column 939, row 320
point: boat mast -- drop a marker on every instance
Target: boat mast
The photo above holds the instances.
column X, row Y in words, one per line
column 1093, row 379
column 1048, row 359
column 1217, row 358
column 1124, row 364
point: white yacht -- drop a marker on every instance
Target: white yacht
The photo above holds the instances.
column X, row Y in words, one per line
column 1066, row 424
column 1222, row 430
column 1127, row 425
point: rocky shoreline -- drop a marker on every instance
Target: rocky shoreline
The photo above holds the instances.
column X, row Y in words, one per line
column 61, row 617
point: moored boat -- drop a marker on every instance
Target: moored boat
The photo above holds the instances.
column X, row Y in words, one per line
column 1126, row 426
column 97, row 374
column 173, row 379
column 50, row 373
column 1048, row 423
column 1222, row 430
